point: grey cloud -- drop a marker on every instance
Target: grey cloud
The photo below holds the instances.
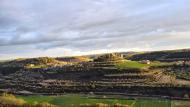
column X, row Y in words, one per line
column 93, row 24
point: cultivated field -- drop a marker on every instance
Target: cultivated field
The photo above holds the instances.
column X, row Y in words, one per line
column 76, row 100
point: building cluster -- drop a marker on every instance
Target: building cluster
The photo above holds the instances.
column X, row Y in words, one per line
column 109, row 57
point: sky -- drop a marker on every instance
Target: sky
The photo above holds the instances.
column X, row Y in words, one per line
column 35, row 28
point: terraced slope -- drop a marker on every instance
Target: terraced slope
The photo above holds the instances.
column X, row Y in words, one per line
column 109, row 76
column 172, row 55
column 84, row 77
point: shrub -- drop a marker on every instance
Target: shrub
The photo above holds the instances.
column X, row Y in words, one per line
column 103, row 105
column 9, row 100
column 43, row 104
column 120, row 105
column 94, row 105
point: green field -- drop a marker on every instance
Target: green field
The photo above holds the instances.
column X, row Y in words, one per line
column 76, row 100
column 136, row 64
column 180, row 103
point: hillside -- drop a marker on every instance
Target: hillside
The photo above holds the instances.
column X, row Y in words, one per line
column 106, row 73
column 171, row 55
column 9, row 67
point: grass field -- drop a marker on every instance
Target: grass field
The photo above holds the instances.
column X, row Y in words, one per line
column 180, row 103
column 136, row 64
column 76, row 100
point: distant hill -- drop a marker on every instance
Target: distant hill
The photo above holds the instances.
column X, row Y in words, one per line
column 168, row 55
column 35, row 61
column 12, row 66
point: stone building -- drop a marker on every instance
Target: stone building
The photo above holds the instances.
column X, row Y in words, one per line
column 109, row 57
column 145, row 62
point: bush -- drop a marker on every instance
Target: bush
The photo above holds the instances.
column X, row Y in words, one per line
column 9, row 100
column 43, row 104
column 94, row 105
column 103, row 105
column 120, row 105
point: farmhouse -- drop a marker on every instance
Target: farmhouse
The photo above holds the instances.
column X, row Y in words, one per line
column 145, row 62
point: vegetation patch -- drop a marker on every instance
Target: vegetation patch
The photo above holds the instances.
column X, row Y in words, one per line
column 9, row 100
column 179, row 103
column 137, row 64
column 96, row 101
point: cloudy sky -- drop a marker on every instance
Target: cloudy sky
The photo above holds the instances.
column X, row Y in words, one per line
column 32, row 28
